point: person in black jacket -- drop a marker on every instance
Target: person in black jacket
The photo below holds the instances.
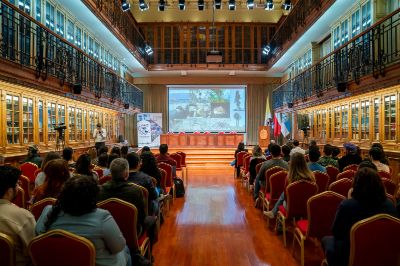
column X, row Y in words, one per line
column 257, row 154
column 351, row 157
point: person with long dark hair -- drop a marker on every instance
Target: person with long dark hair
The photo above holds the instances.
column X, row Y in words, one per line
column 367, row 199
column 84, row 166
column 149, row 166
column 240, row 148
column 41, row 177
column 76, row 211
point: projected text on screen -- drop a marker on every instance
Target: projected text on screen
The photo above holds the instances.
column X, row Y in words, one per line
column 212, row 109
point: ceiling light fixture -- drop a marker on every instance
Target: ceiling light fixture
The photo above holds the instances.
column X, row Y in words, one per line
column 287, row 5
column 250, row 4
column 269, row 5
column 181, row 5
column 148, row 49
column 231, row 5
column 217, row 4
column 143, row 6
column 266, row 50
column 161, row 5
column 125, row 5
column 200, row 5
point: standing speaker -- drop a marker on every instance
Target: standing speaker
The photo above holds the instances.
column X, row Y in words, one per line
column 77, row 88
column 126, row 105
column 341, row 86
column 290, row 105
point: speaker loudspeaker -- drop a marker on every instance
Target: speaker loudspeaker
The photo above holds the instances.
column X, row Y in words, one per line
column 77, row 88
column 341, row 86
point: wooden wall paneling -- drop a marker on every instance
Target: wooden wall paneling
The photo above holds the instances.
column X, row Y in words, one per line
column 3, row 120
column 181, row 43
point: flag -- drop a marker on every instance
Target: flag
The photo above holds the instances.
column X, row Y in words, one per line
column 286, row 126
column 277, row 126
column 268, row 115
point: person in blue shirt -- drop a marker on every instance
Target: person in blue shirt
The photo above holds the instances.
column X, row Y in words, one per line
column 313, row 156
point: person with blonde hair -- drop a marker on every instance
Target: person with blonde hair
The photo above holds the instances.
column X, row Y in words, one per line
column 298, row 170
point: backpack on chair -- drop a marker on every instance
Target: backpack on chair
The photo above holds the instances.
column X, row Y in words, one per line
column 179, row 187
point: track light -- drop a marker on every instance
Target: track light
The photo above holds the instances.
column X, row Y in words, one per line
column 181, row 4
column 125, row 5
column 266, row 50
column 231, row 5
column 148, row 49
column 287, row 5
column 200, row 5
column 143, row 6
column 161, row 5
column 250, row 4
column 218, row 4
column 269, row 5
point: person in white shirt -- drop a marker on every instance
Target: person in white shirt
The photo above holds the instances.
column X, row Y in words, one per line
column 99, row 136
column 297, row 148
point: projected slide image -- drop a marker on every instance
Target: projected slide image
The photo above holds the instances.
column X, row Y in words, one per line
column 207, row 109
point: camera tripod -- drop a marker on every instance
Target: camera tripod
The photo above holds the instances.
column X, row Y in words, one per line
column 60, row 140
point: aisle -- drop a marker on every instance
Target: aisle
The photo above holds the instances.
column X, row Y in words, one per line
column 216, row 224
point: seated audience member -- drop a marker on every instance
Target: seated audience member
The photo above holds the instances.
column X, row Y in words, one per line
column 15, row 222
column 93, row 154
column 376, row 155
column 335, row 153
column 116, row 150
column 67, row 155
column 111, row 158
column 145, row 149
column 256, row 154
column 84, row 166
column 149, row 167
column 327, row 158
column 144, row 180
column 286, row 153
column 124, row 151
column 368, row 199
column 164, row 157
column 313, row 165
column 75, row 211
column 33, row 156
column 297, row 148
column 119, row 187
column 122, row 140
column 57, row 173
column 41, row 177
column 384, row 159
column 240, row 148
column 298, row 170
column 102, row 163
column 351, row 156
column 312, row 145
column 276, row 160
column 267, row 151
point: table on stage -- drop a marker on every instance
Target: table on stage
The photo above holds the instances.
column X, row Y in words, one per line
column 202, row 140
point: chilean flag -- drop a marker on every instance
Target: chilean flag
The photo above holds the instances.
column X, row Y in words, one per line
column 277, row 126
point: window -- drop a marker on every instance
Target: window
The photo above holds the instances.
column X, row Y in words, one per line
column 61, row 114
column 12, row 118
column 345, row 31
column 78, row 124
column 40, row 121
column 39, row 10
column 345, row 121
column 336, row 37
column 366, row 15
column 70, row 31
column 376, row 118
column 354, row 120
column 25, row 5
column 27, row 119
column 85, row 44
column 85, row 125
column 355, row 23
column 328, row 135
column 60, row 26
column 91, row 123
column 390, row 117
column 365, row 119
column 337, row 122
column 78, row 37
column 323, row 119
column 51, row 121
column 49, row 16
column 71, row 122
column 90, row 46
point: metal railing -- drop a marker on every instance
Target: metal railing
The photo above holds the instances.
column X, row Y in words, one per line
column 30, row 44
column 368, row 53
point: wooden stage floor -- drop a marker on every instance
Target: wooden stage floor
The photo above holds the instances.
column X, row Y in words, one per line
column 216, row 223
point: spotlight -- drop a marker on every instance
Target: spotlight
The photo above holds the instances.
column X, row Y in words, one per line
column 200, row 5
column 161, row 5
column 143, row 6
column 148, row 49
column 231, row 5
column 266, row 50
column 218, row 4
column 269, row 5
column 287, row 5
column 181, row 4
column 250, row 4
column 125, row 5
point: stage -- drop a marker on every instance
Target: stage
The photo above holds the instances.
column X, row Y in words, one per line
column 206, row 140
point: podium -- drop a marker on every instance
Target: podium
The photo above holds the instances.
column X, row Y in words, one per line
column 263, row 136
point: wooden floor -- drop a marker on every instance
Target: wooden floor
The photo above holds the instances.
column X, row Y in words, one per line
column 217, row 224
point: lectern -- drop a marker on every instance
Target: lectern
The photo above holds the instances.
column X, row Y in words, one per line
column 263, row 136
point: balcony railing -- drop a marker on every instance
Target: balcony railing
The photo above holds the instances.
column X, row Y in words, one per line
column 370, row 52
column 30, row 44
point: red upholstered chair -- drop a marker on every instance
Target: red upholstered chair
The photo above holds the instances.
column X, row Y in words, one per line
column 349, row 174
column 104, row 179
column 28, row 170
column 183, row 164
column 322, row 180
column 297, row 194
column 162, row 185
column 341, row 186
column 266, row 189
column 374, row 241
column 20, row 199
column 7, row 250
column 269, row 157
column 277, row 183
column 39, row 170
column 178, row 160
column 244, row 170
column 99, row 172
column 125, row 215
column 62, row 248
column 384, row 174
column 390, row 186
column 169, row 182
column 24, row 183
column 38, row 207
column 332, row 171
column 353, row 167
column 321, row 212
column 239, row 161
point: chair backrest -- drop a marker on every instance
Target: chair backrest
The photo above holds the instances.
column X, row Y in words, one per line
column 62, row 248
column 20, row 199
column 349, row 174
column 145, row 197
column 389, row 185
column 38, row 207
column 246, row 163
column 277, row 183
column 104, row 179
column 28, row 169
column 163, row 178
column 39, row 170
column 384, row 174
column 342, row 186
column 7, row 250
column 298, row 194
column 183, row 156
column 178, row 160
column 125, row 215
column 258, row 167
column 269, row 173
column 374, row 241
column 269, row 157
column 321, row 211
column 24, row 183
column 322, row 180
column 332, row 171
column 353, row 167
column 239, row 157
column 168, row 169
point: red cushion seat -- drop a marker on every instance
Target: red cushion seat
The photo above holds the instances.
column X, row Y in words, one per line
column 303, row 226
column 282, row 210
